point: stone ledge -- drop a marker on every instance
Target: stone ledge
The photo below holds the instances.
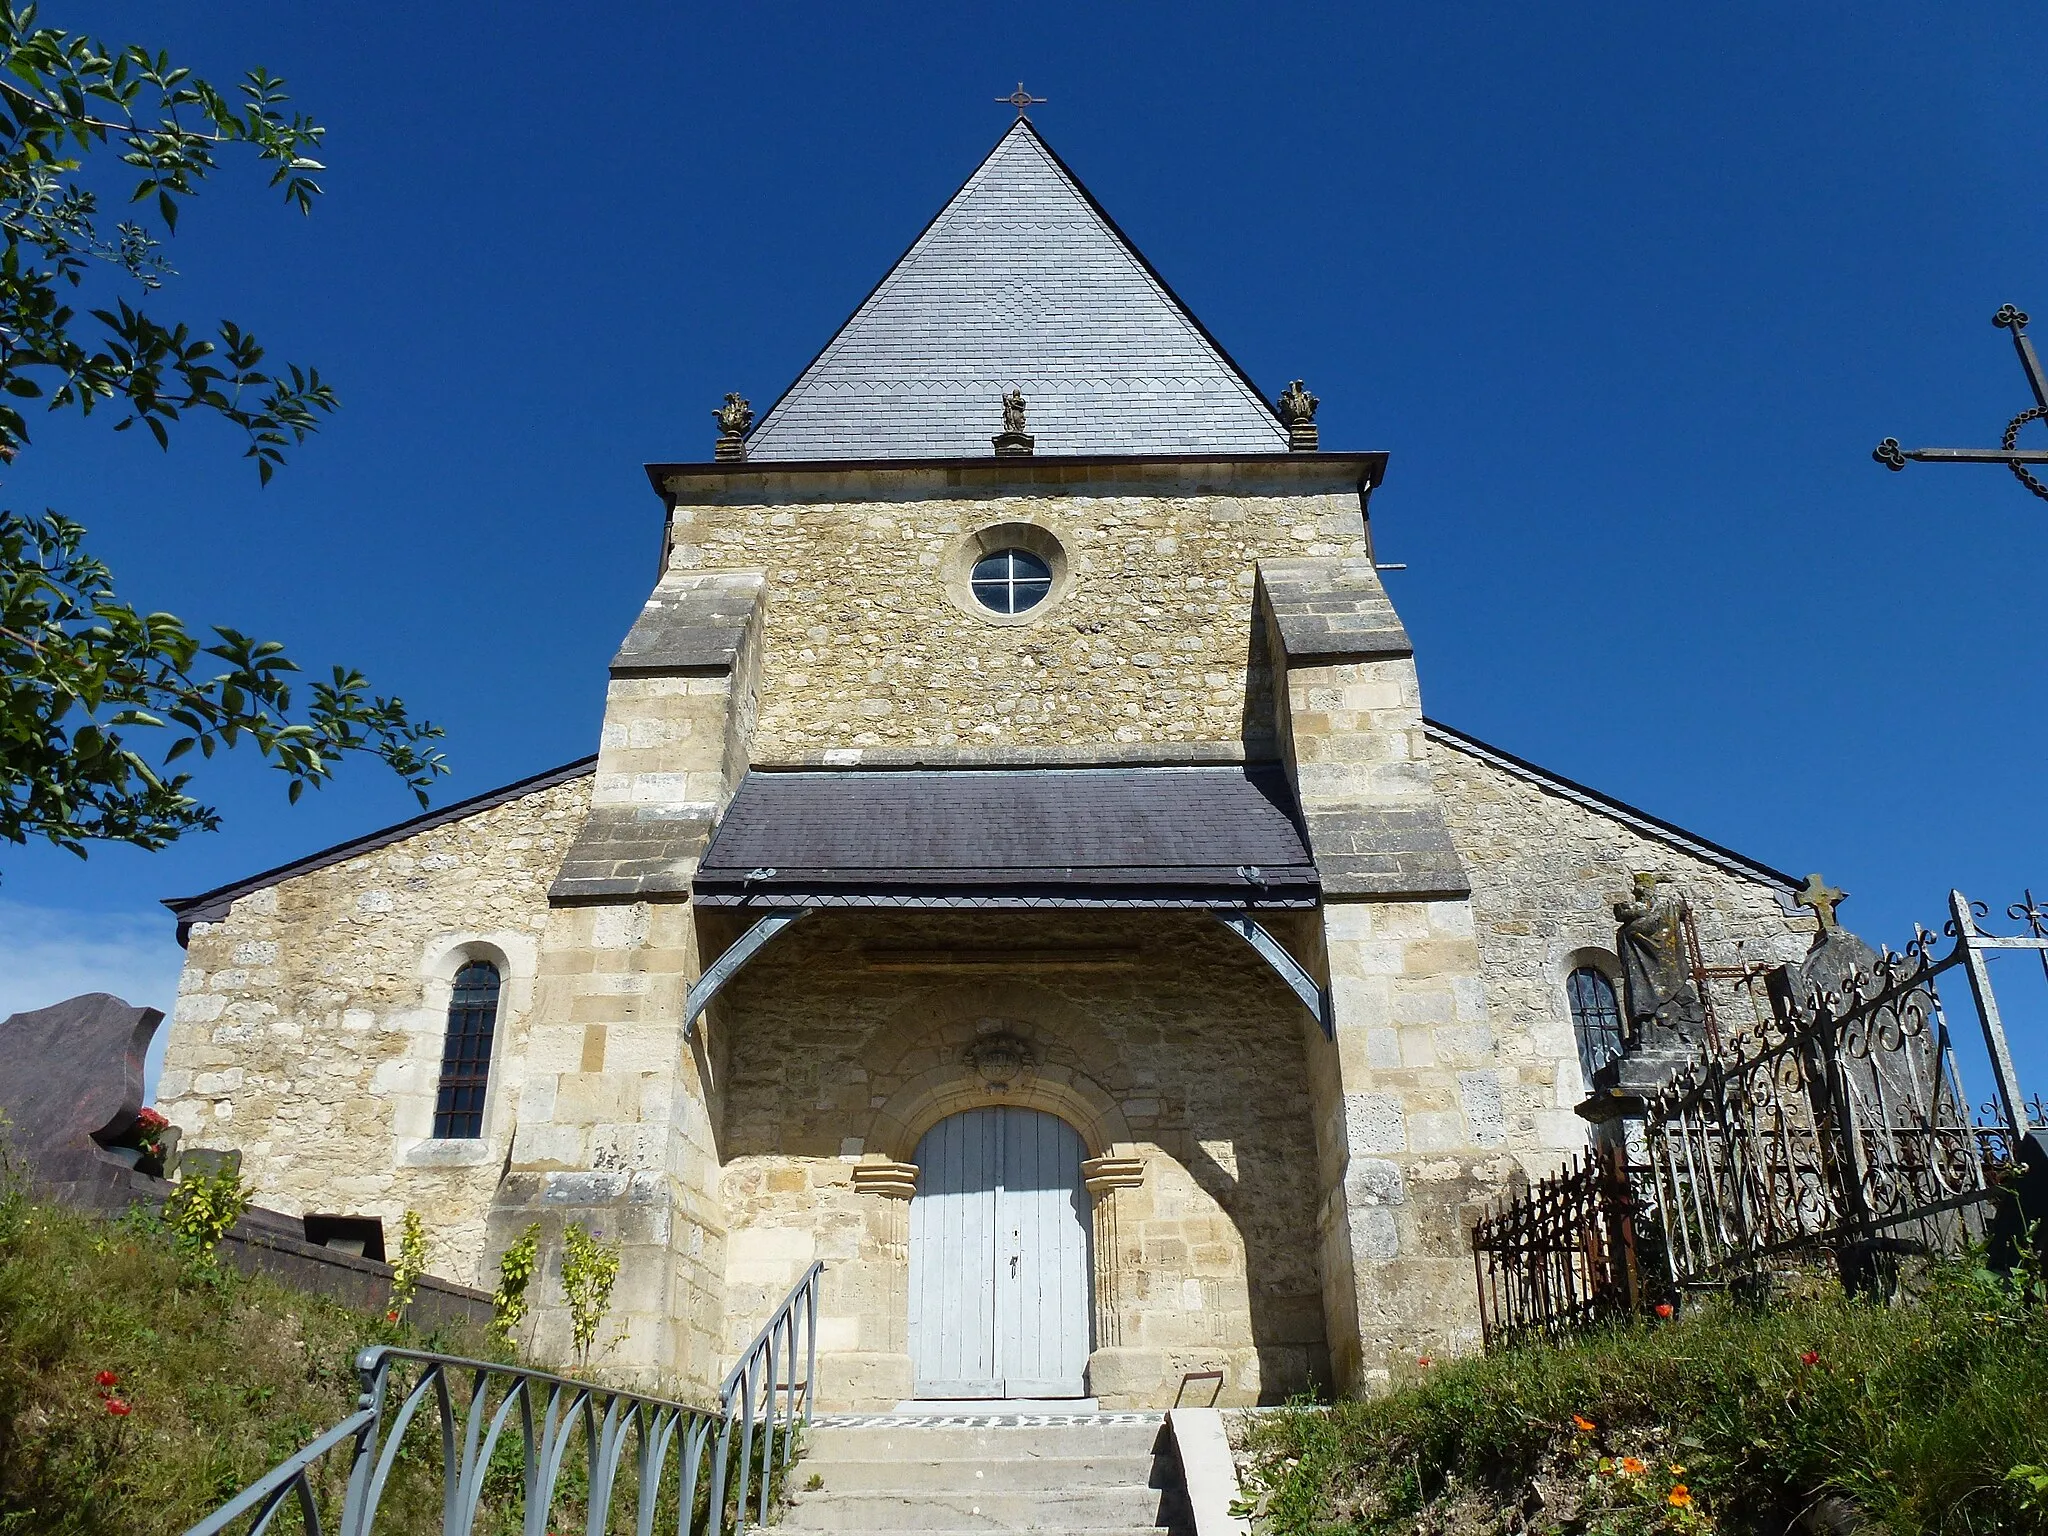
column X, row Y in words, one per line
column 693, row 622
column 1332, row 610
column 1379, row 850
column 626, row 852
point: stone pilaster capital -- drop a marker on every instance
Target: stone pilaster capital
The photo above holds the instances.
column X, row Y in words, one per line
column 1103, row 1174
column 892, row 1181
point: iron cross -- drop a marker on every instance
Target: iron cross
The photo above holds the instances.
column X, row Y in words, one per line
column 1021, row 99
column 2008, row 318
column 1822, row 898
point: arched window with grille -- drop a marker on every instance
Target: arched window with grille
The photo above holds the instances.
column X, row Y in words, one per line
column 466, row 1055
column 1596, row 1018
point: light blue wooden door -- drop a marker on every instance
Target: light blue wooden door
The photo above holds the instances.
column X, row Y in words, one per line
column 999, row 1266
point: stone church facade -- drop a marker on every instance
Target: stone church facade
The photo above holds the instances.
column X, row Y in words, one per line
column 1064, row 829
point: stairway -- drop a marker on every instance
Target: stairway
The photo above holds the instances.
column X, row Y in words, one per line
column 1048, row 1474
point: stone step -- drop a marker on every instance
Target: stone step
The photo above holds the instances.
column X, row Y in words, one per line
column 1086, row 1509
column 981, row 1442
column 1048, row 1530
column 1007, row 1474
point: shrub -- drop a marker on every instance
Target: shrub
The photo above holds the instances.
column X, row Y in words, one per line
column 204, row 1209
column 515, row 1274
column 412, row 1263
column 590, row 1268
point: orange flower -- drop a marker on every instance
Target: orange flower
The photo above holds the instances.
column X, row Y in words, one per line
column 1633, row 1466
column 1582, row 1424
column 1681, row 1497
column 1423, row 1361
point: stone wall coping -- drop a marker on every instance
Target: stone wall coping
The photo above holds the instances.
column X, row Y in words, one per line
column 1208, row 1470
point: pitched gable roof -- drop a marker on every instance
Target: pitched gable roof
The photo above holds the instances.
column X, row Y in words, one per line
column 1022, row 281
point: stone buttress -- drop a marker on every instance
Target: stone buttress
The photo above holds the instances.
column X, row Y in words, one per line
column 617, row 1119
column 1410, row 1129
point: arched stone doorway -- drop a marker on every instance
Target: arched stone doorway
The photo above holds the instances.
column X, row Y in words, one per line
column 1000, row 1264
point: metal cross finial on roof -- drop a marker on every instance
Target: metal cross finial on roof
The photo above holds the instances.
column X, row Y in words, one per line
column 1021, row 99
column 1822, row 898
column 2008, row 318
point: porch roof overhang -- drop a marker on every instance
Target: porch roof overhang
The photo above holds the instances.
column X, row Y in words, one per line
column 1222, row 837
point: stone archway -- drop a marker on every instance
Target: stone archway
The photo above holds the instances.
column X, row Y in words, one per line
column 1006, row 1045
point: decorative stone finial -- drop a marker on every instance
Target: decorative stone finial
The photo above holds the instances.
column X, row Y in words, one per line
column 1822, row 898
column 1013, row 441
column 1298, row 416
column 733, row 417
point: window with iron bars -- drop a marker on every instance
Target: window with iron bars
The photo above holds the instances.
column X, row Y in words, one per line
column 466, row 1055
column 1596, row 1018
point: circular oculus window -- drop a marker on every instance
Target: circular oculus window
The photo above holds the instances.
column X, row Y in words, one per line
column 1009, row 581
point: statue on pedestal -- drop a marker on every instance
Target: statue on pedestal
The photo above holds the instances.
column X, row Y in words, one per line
column 1664, row 1017
column 1661, row 1003
column 1013, row 441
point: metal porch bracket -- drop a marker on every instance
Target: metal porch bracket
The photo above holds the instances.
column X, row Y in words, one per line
column 728, row 965
column 1304, row 986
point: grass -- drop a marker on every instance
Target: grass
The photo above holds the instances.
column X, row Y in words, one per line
column 1927, row 1415
column 219, row 1376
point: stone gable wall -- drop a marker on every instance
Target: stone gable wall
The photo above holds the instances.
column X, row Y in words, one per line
column 1146, row 639
column 1546, row 872
column 309, row 1024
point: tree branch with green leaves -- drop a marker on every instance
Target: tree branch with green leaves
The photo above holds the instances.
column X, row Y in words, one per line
column 97, row 700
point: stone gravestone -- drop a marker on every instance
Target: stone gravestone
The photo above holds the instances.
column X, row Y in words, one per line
column 1891, row 1061
column 70, row 1086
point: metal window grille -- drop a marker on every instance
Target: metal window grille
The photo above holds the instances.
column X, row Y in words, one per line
column 466, row 1055
column 1011, row 580
column 1596, row 1018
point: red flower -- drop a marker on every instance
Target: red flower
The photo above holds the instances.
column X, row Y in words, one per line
column 1665, row 1309
column 390, row 1317
column 1811, row 1357
column 117, row 1408
column 1423, row 1361
column 106, row 1378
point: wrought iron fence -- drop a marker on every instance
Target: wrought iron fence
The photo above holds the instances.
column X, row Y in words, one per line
column 512, row 1434
column 1842, row 1123
column 1563, row 1255
column 1820, row 1123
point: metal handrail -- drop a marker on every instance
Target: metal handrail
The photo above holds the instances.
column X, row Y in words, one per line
column 474, row 1400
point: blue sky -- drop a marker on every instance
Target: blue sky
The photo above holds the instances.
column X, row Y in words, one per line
column 1627, row 293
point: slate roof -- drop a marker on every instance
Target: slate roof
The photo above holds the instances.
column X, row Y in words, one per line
column 1054, row 836
column 1021, row 281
